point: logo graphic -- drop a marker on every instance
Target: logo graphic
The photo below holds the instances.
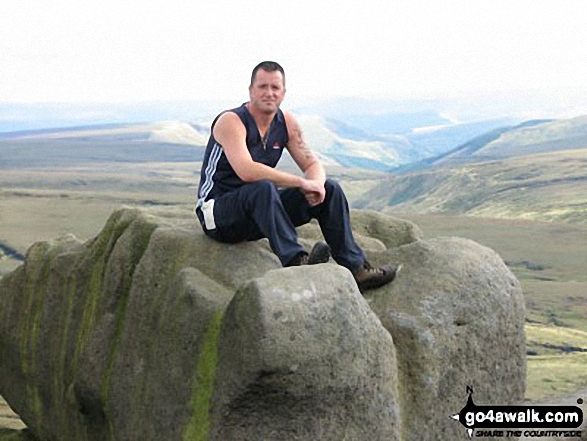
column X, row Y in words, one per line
column 514, row 418
column 276, row 146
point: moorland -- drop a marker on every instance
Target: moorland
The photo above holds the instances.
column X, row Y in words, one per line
column 520, row 193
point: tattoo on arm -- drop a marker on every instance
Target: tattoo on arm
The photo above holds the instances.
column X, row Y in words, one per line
column 304, row 149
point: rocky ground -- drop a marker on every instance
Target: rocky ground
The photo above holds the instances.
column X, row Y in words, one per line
column 426, row 263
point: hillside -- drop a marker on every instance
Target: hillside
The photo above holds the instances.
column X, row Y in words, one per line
column 439, row 139
column 176, row 141
column 350, row 147
column 534, row 170
column 143, row 165
column 362, row 141
column 549, row 186
column 166, row 141
column 531, row 137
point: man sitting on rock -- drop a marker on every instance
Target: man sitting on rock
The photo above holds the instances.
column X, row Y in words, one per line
column 242, row 196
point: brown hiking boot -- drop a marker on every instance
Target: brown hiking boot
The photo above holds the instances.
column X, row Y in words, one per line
column 368, row 277
column 320, row 254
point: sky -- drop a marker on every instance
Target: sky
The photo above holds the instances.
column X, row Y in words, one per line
column 125, row 51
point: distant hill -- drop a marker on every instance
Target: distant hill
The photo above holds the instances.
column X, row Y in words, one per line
column 536, row 170
column 176, row 141
column 338, row 144
column 389, row 123
column 437, row 140
column 413, row 134
column 161, row 142
column 33, row 116
column 548, row 186
column 364, row 134
column 352, row 147
column 528, row 138
column 375, row 147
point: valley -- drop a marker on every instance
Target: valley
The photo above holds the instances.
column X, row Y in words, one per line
column 530, row 208
column 548, row 258
column 546, row 187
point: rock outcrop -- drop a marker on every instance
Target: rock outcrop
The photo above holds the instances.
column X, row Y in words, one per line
column 152, row 331
column 457, row 319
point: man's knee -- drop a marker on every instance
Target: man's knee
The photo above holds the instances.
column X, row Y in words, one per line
column 332, row 186
column 262, row 186
column 263, row 190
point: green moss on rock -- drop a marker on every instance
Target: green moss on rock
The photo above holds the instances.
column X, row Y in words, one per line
column 16, row 435
column 139, row 244
column 199, row 424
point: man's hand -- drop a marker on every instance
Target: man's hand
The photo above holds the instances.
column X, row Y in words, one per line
column 314, row 174
column 313, row 190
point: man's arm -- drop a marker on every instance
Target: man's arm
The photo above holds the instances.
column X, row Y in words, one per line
column 231, row 134
column 308, row 163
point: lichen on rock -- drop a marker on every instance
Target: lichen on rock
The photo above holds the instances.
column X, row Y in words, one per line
column 153, row 331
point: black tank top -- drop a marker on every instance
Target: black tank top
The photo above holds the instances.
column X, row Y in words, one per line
column 217, row 175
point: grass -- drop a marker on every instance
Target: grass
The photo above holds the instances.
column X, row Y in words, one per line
column 537, row 335
column 555, row 375
column 42, row 204
column 548, row 258
column 553, row 372
column 547, row 187
column 558, row 247
column 556, row 303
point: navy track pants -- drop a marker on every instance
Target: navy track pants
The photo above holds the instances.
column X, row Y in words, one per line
column 258, row 209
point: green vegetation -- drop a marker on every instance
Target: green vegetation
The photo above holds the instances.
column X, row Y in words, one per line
column 531, row 209
column 140, row 242
column 547, row 187
column 555, row 375
column 557, row 339
column 549, row 259
column 199, row 424
column 558, row 365
column 15, row 435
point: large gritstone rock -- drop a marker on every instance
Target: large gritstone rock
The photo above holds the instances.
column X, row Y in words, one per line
column 373, row 231
column 391, row 231
column 100, row 340
column 123, row 338
column 152, row 331
column 303, row 357
column 456, row 314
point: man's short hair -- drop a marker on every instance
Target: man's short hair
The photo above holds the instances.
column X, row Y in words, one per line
column 268, row 66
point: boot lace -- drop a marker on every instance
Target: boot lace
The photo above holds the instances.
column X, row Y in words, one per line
column 371, row 270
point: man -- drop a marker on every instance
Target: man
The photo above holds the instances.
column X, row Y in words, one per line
column 238, row 195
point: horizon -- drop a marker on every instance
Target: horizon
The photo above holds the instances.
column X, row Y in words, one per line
column 513, row 105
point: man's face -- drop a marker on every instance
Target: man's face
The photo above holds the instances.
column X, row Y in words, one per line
column 267, row 91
